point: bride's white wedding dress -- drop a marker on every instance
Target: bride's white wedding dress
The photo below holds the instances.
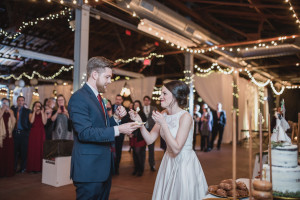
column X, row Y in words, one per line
column 179, row 177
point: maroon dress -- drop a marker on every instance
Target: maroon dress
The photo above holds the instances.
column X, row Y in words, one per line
column 35, row 145
column 7, row 152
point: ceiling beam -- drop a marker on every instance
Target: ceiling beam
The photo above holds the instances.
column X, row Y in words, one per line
column 242, row 4
column 235, row 13
column 181, row 6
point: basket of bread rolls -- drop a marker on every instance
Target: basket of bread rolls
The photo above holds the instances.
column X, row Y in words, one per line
column 225, row 189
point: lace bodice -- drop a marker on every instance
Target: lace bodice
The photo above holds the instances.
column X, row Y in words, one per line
column 173, row 124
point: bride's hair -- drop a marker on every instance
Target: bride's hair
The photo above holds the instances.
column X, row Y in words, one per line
column 180, row 91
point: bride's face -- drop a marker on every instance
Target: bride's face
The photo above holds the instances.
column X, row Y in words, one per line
column 166, row 97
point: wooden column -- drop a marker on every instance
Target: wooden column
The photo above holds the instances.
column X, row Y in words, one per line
column 189, row 71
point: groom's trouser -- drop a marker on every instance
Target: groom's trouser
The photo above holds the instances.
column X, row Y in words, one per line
column 93, row 191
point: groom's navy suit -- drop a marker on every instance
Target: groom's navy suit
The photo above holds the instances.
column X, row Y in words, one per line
column 92, row 160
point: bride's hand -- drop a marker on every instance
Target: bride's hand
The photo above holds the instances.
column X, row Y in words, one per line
column 158, row 118
column 134, row 116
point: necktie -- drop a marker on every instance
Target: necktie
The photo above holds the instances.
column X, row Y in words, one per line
column 18, row 116
column 100, row 101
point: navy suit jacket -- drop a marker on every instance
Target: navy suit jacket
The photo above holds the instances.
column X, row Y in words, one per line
column 25, row 123
column 92, row 159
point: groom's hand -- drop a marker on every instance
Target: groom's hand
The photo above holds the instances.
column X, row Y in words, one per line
column 128, row 128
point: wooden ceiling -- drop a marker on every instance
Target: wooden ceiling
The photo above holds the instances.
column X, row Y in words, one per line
column 233, row 21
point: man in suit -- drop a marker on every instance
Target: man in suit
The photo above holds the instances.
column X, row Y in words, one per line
column 92, row 161
column 148, row 109
column 21, row 133
column 119, row 139
column 219, row 122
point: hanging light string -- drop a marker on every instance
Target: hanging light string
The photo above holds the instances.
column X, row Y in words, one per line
column 294, row 14
column 63, row 68
column 139, row 58
column 35, row 22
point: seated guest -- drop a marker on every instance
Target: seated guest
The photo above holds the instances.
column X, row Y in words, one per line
column 62, row 129
column 7, row 124
column 36, row 138
column 138, row 143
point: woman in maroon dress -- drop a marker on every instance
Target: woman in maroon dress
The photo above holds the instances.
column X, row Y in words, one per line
column 37, row 136
column 7, row 124
column 138, row 143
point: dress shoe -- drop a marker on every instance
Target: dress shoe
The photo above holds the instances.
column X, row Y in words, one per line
column 134, row 173
column 153, row 169
column 140, row 174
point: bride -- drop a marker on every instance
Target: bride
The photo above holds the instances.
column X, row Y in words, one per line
column 180, row 175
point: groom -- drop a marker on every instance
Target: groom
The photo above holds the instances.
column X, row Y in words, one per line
column 92, row 161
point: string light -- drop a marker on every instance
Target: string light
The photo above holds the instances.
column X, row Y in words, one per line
column 294, row 14
column 63, row 68
column 274, row 90
column 139, row 58
column 34, row 22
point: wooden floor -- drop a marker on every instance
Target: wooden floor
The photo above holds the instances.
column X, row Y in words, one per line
column 217, row 165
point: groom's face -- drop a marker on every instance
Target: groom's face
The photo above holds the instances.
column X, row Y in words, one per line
column 103, row 79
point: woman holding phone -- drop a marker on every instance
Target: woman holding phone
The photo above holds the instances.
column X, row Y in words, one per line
column 62, row 126
column 7, row 124
column 37, row 137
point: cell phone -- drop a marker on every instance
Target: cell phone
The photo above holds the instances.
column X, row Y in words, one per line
column 62, row 108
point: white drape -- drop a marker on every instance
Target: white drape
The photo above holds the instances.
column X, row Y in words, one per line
column 46, row 91
column 138, row 88
column 217, row 88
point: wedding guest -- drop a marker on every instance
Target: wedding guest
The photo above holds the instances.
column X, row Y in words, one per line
column 197, row 124
column 21, row 133
column 109, row 108
column 219, row 120
column 206, row 127
column 130, row 107
column 62, row 129
column 148, row 109
column 119, row 139
column 37, row 136
column 50, row 104
column 7, row 124
column 138, row 143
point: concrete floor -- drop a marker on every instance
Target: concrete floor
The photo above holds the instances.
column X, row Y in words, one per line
column 217, row 165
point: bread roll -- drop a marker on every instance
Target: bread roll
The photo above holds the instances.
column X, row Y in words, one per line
column 226, row 186
column 242, row 186
column 262, row 185
column 222, row 192
column 213, row 188
column 242, row 193
column 261, row 195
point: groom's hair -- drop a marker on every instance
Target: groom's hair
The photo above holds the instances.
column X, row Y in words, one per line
column 98, row 64
column 180, row 91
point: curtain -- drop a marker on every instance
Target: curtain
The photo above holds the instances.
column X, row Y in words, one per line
column 216, row 88
column 46, row 91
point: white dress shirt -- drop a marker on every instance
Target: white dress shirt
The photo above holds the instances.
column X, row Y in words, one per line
column 116, row 129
